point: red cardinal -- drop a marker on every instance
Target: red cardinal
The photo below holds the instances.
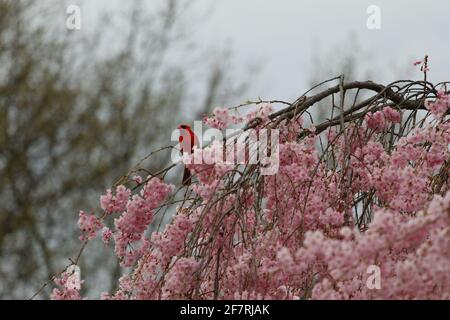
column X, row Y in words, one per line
column 187, row 141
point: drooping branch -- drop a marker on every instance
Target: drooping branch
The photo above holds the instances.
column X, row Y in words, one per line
column 210, row 242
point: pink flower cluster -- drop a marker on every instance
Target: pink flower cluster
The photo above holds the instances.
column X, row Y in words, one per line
column 412, row 254
column 180, row 280
column 115, row 203
column 136, row 214
column 69, row 283
column 380, row 120
column 106, row 235
column 171, row 242
column 136, row 218
column 223, row 117
column 89, row 225
column 440, row 106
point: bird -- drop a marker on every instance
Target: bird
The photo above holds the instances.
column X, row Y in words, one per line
column 187, row 140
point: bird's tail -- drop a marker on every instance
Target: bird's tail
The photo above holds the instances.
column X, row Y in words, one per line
column 186, row 177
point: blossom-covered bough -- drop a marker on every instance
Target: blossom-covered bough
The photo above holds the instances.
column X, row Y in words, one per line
column 362, row 195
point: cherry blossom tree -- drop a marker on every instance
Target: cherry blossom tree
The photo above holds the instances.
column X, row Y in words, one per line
column 358, row 209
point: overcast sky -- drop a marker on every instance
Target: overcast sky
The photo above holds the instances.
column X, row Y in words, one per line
column 283, row 36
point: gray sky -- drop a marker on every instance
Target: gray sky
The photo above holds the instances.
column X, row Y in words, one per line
column 283, row 36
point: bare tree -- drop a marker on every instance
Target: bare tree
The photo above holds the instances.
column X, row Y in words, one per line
column 72, row 119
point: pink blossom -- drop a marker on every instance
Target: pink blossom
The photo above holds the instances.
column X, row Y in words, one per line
column 137, row 179
column 392, row 115
column 89, row 225
column 376, row 121
column 380, row 120
column 69, row 283
column 115, row 203
column 439, row 106
column 106, row 235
